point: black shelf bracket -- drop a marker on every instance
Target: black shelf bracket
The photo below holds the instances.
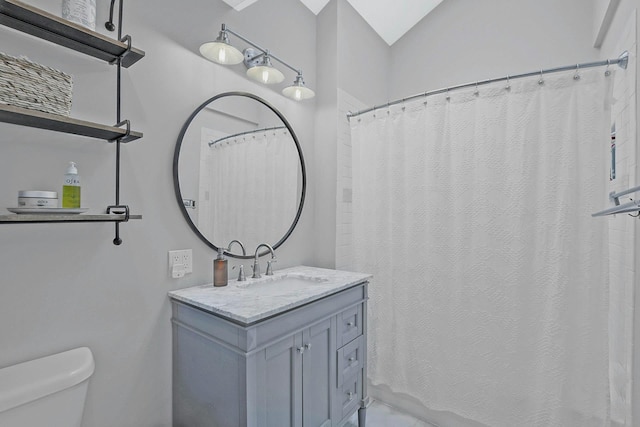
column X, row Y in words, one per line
column 118, row 209
column 125, row 137
column 126, row 40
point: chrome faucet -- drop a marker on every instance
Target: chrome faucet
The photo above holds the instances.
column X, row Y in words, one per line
column 241, row 277
column 256, row 263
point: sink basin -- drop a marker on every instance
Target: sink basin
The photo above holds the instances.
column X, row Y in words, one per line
column 284, row 283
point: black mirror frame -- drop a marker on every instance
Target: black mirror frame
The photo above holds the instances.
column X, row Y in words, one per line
column 176, row 182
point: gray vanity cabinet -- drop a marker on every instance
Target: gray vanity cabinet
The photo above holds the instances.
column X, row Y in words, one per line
column 296, row 367
column 301, row 368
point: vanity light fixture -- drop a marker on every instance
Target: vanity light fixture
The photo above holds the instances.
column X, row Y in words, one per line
column 260, row 68
column 298, row 90
column 258, row 63
column 221, row 51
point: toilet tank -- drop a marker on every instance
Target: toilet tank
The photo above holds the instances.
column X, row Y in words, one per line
column 49, row 391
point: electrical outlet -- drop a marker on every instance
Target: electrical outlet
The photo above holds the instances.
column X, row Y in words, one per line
column 180, row 263
column 187, row 260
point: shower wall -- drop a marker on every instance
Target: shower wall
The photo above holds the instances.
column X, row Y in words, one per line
column 625, row 234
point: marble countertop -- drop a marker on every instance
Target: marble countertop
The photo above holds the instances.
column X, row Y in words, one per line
column 256, row 299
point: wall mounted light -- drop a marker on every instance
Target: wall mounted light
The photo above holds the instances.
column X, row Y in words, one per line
column 258, row 63
column 221, row 51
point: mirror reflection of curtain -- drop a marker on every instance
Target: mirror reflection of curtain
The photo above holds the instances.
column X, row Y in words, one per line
column 240, row 190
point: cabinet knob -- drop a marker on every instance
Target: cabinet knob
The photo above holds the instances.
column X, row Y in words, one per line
column 350, row 394
column 350, row 324
column 308, row 346
column 351, row 359
column 301, row 350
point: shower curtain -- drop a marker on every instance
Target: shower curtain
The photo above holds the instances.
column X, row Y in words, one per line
column 490, row 291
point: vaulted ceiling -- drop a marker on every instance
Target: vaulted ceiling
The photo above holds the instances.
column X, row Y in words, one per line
column 390, row 19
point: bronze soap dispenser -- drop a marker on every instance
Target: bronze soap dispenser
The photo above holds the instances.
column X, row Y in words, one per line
column 220, row 269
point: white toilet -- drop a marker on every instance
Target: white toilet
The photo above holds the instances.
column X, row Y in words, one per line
column 46, row 392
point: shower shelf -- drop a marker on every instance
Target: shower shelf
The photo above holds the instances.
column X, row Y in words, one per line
column 632, row 206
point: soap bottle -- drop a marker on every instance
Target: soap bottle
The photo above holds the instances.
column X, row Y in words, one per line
column 220, row 271
column 71, row 187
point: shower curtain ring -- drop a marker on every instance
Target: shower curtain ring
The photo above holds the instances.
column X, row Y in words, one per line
column 607, row 72
column 541, row 81
column 388, row 104
column 576, row 76
column 508, row 83
column 448, row 98
column 425, row 98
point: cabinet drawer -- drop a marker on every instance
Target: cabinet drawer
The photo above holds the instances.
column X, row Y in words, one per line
column 349, row 325
column 350, row 395
column 350, row 360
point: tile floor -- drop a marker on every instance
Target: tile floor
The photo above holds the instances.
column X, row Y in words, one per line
column 381, row 415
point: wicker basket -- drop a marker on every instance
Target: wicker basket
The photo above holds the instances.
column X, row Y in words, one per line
column 29, row 85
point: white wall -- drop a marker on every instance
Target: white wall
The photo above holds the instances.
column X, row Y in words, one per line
column 352, row 59
column 65, row 286
column 324, row 160
column 603, row 13
column 463, row 41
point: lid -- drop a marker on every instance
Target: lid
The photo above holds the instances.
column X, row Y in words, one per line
column 29, row 381
column 221, row 253
column 72, row 168
column 38, row 194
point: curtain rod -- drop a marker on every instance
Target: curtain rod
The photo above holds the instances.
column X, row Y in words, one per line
column 622, row 61
column 245, row 133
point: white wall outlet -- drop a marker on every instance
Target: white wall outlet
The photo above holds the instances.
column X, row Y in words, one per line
column 187, row 260
column 180, row 263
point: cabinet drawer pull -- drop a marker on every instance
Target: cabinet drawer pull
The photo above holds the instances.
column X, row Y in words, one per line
column 352, row 359
column 301, row 350
column 350, row 324
column 308, row 346
column 350, row 394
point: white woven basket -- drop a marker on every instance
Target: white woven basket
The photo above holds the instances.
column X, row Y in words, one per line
column 29, row 85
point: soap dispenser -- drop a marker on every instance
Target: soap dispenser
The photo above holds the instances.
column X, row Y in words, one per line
column 71, row 187
column 220, row 269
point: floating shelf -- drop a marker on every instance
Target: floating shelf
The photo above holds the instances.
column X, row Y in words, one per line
column 37, row 22
column 38, row 119
column 43, row 218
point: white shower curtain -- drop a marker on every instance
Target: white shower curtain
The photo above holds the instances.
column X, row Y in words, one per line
column 490, row 290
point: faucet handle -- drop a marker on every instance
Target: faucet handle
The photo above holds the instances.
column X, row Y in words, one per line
column 256, row 269
column 269, row 267
column 241, row 276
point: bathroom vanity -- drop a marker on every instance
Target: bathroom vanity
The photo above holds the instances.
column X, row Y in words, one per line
column 282, row 350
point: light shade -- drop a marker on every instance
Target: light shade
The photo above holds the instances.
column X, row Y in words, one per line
column 221, row 51
column 298, row 91
column 265, row 73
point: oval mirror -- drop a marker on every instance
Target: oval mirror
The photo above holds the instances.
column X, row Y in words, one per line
column 239, row 173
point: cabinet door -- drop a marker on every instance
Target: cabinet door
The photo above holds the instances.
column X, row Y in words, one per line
column 317, row 369
column 280, row 369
